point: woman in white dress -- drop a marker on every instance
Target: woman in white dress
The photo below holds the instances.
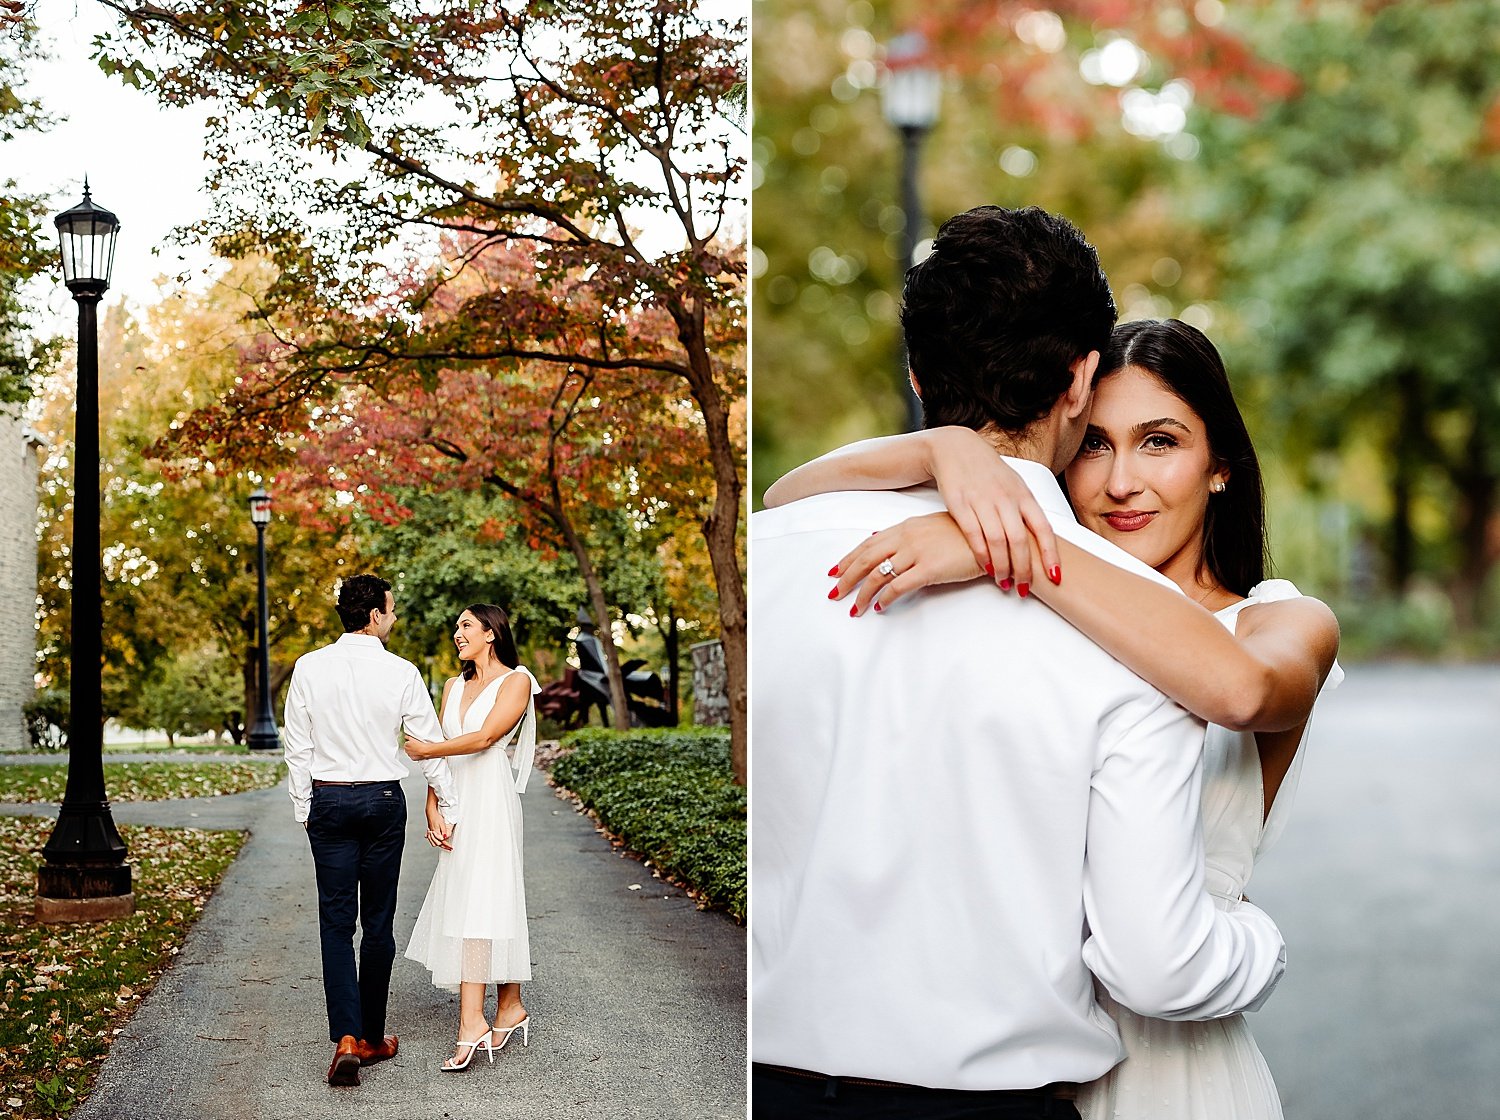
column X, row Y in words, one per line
column 471, row 931
column 1167, row 472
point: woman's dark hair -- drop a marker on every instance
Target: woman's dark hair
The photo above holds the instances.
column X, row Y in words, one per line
column 1185, row 362
column 494, row 620
column 358, row 596
column 998, row 314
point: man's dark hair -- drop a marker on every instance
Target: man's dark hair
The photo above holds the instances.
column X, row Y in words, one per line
column 358, row 596
column 996, row 316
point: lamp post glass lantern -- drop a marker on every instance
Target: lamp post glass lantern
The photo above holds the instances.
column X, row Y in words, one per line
column 910, row 97
column 84, row 875
column 264, row 735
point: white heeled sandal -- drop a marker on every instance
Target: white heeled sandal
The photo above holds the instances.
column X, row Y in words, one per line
column 524, row 1026
column 487, row 1040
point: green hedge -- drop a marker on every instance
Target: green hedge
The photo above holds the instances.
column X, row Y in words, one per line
column 669, row 795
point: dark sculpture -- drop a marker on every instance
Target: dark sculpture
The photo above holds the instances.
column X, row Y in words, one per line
column 569, row 700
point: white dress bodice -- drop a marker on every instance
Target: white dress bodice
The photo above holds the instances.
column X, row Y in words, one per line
column 1234, row 834
column 1211, row 1070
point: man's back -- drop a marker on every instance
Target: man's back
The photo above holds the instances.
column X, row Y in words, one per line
column 345, row 708
column 942, row 796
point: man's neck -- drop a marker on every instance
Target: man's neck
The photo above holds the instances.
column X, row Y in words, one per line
column 1036, row 442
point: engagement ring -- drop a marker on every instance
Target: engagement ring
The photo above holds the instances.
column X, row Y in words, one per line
column 886, row 568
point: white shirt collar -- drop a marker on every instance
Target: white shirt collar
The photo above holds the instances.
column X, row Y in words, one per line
column 362, row 640
column 1044, row 487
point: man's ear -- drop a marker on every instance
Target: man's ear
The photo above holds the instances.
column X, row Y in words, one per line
column 1080, row 393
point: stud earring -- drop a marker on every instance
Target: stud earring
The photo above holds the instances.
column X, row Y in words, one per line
column 1217, row 487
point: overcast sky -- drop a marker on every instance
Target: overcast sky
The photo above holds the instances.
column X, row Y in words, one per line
column 143, row 162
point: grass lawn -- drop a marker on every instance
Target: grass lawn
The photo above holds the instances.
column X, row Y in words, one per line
column 66, row 990
column 143, row 781
column 161, row 746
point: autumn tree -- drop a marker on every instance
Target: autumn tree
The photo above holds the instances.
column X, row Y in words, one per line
column 577, row 448
column 24, row 243
column 602, row 136
column 179, row 561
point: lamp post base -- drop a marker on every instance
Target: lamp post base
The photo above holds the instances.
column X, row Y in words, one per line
column 258, row 740
column 83, row 892
column 52, row 911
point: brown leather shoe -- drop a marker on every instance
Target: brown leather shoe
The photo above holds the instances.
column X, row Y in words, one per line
column 345, row 1067
column 368, row 1054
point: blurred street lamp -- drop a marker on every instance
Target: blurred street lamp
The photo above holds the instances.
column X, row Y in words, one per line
column 263, row 736
column 910, row 95
column 84, row 875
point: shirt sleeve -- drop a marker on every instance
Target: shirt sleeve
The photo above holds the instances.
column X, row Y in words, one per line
column 419, row 719
column 297, row 746
column 1157, row 941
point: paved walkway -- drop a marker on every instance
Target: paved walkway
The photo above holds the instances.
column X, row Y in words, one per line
column 637, row 999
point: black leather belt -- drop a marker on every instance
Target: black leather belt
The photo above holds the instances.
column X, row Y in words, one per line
column 1057, row 1090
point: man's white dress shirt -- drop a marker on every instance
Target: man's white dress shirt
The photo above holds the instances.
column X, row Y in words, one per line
column 960, row 807
column 345, row 710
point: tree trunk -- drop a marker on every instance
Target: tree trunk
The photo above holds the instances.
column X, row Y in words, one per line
column 600, row 611
column 1477, row 486
column 248, row 669
column 674, row 694
column 1404, row 457
column 721, row 527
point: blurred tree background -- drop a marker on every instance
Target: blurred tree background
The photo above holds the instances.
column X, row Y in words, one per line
column 1312, row 184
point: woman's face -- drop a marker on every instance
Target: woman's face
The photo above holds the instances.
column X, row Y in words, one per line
column 1144, row 475
column 470, row 636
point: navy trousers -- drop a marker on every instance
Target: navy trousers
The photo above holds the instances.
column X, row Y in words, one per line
column 357, row 835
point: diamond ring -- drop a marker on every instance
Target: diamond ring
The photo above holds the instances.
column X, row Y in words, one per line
column 886, row 568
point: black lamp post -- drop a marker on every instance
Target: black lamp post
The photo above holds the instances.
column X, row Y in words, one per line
column 263, row 736
column 84, row 874
column 910, row 97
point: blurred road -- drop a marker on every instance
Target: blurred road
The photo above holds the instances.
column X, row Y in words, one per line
column 1387, row 887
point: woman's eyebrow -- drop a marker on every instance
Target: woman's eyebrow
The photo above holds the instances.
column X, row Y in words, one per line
column 1163, row 422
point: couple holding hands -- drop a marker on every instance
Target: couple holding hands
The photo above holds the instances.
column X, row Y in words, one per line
column 346, row 707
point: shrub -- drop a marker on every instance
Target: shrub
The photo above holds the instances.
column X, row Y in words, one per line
column 667, row 794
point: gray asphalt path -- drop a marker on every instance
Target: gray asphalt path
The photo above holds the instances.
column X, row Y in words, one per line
column 637, row 999
column 1385, row 885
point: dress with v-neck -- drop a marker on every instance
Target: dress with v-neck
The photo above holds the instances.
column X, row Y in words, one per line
column 472, row 926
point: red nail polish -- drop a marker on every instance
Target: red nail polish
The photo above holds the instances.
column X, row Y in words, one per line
column 1005, row 584
column 834, row 594
column 854, row 610
column 1054, row 573
column 833, row 572
column 1023, row 589
column 989, row 569
column 877, row 608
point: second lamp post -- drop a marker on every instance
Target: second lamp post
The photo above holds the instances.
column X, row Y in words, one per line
column 911, row 94
column 263, row 734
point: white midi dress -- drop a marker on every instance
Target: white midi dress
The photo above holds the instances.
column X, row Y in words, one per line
column 472, row 926
column 1209, row 1070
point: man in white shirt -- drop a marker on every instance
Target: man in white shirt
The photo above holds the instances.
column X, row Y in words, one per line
column 345, row 710
column 963, row 809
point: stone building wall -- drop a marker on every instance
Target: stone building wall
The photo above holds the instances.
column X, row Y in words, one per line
column 18, row 505
column 710, row 685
